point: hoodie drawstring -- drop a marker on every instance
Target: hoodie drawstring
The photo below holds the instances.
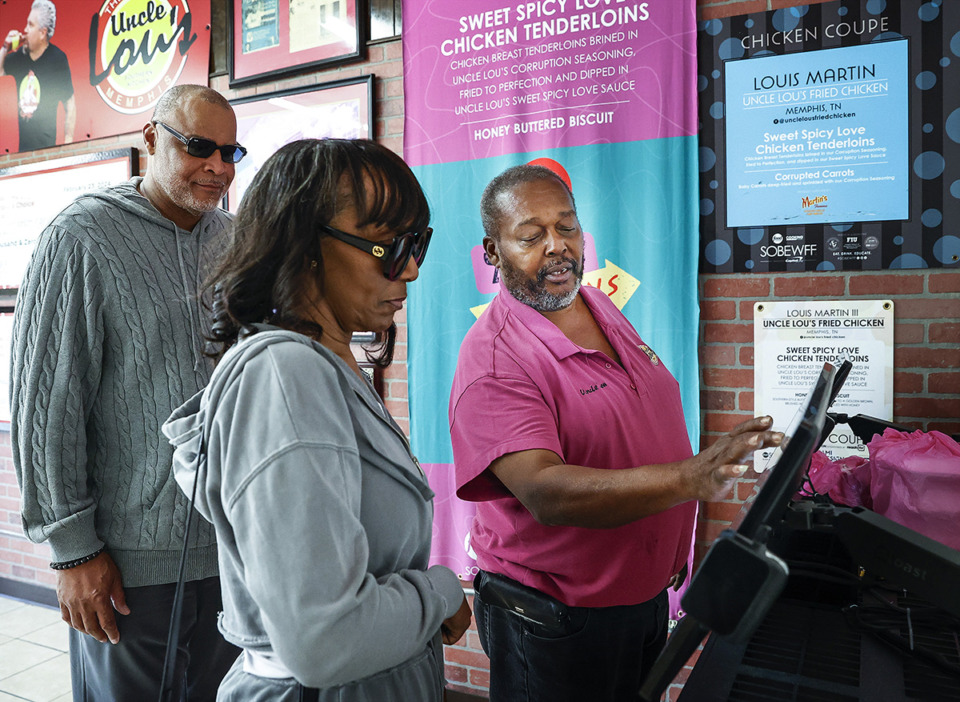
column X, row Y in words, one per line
column 197, row 366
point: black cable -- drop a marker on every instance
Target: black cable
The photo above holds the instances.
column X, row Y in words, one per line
column 861, row 619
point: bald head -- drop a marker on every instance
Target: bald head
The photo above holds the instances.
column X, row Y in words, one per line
column 492, row 202
column 179, row 95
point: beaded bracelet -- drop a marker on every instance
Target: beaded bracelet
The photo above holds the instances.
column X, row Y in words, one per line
column 65, row 565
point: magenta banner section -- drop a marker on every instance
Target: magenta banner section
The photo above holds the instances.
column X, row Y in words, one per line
column 486, row 79
column 452, row 519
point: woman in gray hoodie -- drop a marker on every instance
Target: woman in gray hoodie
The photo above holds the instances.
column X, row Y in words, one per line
column 322, row 514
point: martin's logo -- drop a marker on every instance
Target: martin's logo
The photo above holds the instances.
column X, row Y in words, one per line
column 814, row 203
column 138, row 48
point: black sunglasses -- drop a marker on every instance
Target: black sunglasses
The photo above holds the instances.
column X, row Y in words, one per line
column 396, row 256
column 204, row 148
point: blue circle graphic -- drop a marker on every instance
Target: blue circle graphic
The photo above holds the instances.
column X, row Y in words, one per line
column 955, row 189
column 945, row 62
column 840, row 227
column 713, row 27
column 928, row 12
column 947, row 249
column 730, row 49
column 717, row 252
column 925, row 80
column 748, row 264
column 702, row 83
column 955, row 44
column 714, row 185
column 750, row 236
column 706, row 207
column 826, row 266
column 875, row 7
column 908, row 260
column 716, row 110
column 952, row 125
column 927, row 128
column 929, row 165
column 708, row 159
column 931, row 218
column 898, row 240
column 785, row 21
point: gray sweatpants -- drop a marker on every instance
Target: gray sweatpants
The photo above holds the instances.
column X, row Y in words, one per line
column 133, row 668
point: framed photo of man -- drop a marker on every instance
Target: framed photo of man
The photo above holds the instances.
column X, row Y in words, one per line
column 269, row 38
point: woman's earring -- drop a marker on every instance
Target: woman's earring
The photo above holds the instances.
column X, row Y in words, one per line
column 313, row 263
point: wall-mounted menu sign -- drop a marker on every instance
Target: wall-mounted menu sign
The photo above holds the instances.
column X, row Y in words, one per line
column 795, row 339
column 830, row 137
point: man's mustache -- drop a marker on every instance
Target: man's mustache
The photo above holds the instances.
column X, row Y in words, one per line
column 576, row 267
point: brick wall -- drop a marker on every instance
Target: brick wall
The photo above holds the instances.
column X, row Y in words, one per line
column 926, row 357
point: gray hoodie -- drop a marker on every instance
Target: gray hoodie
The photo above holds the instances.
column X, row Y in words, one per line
column 107, row 336
column 323, row 521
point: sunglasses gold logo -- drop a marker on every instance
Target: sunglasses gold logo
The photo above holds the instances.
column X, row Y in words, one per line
column 378, row 251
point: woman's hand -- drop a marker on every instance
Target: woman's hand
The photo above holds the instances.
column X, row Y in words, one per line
column 453, row 628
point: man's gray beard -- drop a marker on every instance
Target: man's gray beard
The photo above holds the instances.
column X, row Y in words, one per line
column 543, row 301
column 534, row 294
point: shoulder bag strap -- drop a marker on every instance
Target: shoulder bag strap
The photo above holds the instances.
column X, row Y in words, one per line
column 168, row 681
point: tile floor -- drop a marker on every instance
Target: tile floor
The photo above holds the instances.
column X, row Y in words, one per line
column 34, row 665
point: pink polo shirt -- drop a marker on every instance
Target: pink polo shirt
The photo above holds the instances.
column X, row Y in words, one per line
column 521, row 384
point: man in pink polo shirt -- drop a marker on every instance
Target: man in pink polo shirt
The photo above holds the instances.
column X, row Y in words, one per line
column 568, row 431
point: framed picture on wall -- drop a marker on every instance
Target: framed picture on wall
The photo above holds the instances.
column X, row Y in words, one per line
column 342, row 109
column 270, row 38
column 33, row 194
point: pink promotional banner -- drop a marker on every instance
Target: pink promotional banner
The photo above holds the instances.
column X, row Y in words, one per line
column 496, row 78
column 604, row 93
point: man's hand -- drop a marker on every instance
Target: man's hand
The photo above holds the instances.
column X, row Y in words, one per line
column 12, row 35
column 452, row 629
column 714, row 470
column 88, row 594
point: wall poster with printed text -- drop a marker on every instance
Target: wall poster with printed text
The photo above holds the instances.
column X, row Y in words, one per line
column 603, row 92
column 795, row 338
column 32, row 195
column 95, row 68
column 830, row 137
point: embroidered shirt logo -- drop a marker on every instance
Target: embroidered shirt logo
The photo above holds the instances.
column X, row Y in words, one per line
column 650, row 354
column 592, row 388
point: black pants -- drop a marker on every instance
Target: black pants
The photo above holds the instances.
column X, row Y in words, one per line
column 602, row 654
column 132, row 669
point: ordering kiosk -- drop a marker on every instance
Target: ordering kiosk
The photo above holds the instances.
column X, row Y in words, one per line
column 813, row 602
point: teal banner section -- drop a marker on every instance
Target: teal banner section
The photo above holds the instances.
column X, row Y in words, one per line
column 638, row 207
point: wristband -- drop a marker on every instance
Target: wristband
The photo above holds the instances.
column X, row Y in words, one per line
column 65, row 565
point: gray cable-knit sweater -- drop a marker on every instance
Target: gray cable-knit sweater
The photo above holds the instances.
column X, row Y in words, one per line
column 107, row 343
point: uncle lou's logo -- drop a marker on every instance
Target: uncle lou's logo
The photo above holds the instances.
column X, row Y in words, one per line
column 138, row 48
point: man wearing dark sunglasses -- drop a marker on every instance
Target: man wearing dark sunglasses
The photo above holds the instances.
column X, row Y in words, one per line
column 109, row 342
column 193, row 153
